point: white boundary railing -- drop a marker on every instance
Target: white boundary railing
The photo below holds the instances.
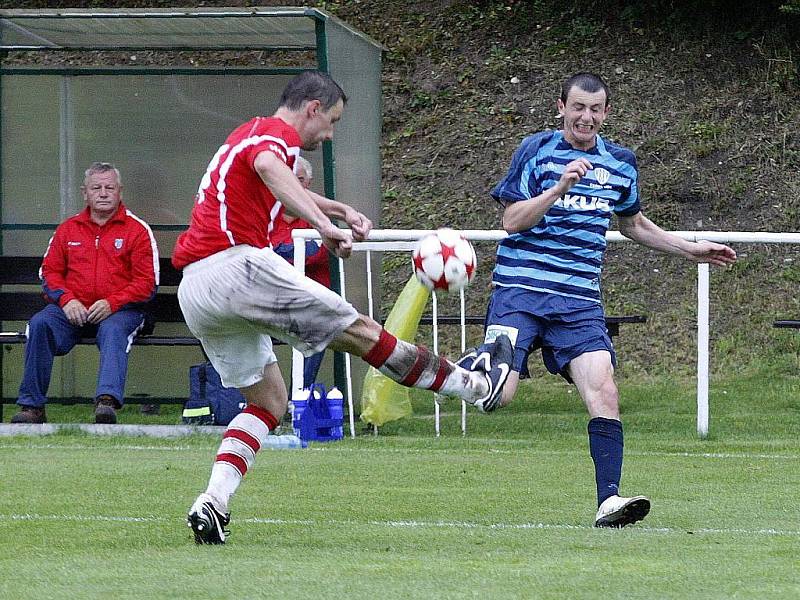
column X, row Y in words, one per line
column 405, row 239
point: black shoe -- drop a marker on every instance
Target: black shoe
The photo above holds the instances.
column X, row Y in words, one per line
column 495, row 360
column 30, row 415
column 105, row 410
column 207, row 523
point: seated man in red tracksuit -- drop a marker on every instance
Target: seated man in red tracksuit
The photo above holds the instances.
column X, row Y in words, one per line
column 317, row 263
column 99, row 269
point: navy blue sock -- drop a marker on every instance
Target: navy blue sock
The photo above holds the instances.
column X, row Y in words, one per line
column 605, row 446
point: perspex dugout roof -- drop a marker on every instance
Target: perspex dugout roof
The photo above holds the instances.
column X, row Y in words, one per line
column 315, row 38
column 283, row 28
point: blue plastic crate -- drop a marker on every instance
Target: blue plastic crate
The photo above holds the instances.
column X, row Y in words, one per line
column 318, row 419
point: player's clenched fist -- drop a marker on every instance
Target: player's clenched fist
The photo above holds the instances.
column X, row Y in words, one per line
column 573, row 173
column 338, row 241
column 359, row 224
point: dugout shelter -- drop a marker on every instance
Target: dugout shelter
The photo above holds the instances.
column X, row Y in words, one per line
column 156, row 91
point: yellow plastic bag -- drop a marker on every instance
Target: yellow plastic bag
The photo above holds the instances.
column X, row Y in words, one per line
column 384, row 400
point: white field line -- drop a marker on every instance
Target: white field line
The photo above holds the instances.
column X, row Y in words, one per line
column 97, row 448
column 628, row 453
column 363, row 450
column 404, row 524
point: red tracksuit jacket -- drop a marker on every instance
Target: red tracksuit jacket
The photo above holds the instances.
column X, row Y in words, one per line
column 118, row 261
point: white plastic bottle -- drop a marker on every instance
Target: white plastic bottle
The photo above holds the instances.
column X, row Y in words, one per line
column 296, row 407
column 285, row 441
column 336, row 408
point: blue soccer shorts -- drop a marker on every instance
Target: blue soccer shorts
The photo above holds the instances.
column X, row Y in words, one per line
column 563, row 328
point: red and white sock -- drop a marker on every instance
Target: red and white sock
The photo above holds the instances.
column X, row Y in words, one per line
column 416, row 366
column 243, row 438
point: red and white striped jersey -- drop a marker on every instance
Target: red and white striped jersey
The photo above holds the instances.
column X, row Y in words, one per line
column 233, row 206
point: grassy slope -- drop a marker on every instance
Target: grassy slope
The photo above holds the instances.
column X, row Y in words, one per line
column 709, row 115
column 708, row 103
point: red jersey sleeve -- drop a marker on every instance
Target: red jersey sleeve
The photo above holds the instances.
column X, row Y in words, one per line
column 268, row 144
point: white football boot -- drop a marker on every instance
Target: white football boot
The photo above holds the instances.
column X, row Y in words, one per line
column 616, row 511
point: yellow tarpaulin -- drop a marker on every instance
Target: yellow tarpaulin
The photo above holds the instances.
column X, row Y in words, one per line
column 383, row 400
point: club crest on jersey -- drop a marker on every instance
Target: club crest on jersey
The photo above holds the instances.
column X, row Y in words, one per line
column 601, row 175
column 118, row 243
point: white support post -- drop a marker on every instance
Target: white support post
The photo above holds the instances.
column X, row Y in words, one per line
column 370, row 299
column 435, row 313
column 297, row 357
column 348, row 368
column 702, row 349
column 463, row 348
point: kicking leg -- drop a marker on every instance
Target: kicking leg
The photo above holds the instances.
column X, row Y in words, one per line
column 416, row 366
column 510, row 388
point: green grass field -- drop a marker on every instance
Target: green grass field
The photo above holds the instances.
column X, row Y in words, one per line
column 504, row 513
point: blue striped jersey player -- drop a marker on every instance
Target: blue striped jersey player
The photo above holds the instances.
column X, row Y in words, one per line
column 562, row 254
column 559, row 196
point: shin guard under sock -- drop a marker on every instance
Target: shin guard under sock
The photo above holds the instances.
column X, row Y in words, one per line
column 605, row 446
column 243, row 438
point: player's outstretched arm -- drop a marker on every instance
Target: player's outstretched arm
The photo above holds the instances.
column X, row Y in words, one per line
column 278, row 177
column 643, row 231
column 358, row 222
column 719, row 255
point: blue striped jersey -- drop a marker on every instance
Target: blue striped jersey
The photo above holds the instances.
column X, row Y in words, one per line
column 563, row 253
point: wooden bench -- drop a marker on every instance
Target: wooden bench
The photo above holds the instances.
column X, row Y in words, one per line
column 612, row 323
column 22, row 305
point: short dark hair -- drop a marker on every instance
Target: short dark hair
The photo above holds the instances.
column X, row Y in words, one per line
column 312, row 85
column 588, row 82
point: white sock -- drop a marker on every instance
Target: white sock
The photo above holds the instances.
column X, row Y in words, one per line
column 243, row 438
column 468, row 385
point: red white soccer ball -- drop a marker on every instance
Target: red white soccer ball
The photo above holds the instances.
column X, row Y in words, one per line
column 444, row 260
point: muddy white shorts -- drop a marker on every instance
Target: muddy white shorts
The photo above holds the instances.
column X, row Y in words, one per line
column 235, row 301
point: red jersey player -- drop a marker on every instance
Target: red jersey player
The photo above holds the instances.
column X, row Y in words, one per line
column 236, row 292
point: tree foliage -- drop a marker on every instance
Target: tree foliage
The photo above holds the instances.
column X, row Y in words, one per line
column 791, row 7
column 719, row 15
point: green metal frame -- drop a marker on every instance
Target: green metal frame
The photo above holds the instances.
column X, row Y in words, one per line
column 138, row 70
column 321, row 50
column 339, row 370
column 1, row 203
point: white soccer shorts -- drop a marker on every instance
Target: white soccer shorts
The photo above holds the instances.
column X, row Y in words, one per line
column 236, row 300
